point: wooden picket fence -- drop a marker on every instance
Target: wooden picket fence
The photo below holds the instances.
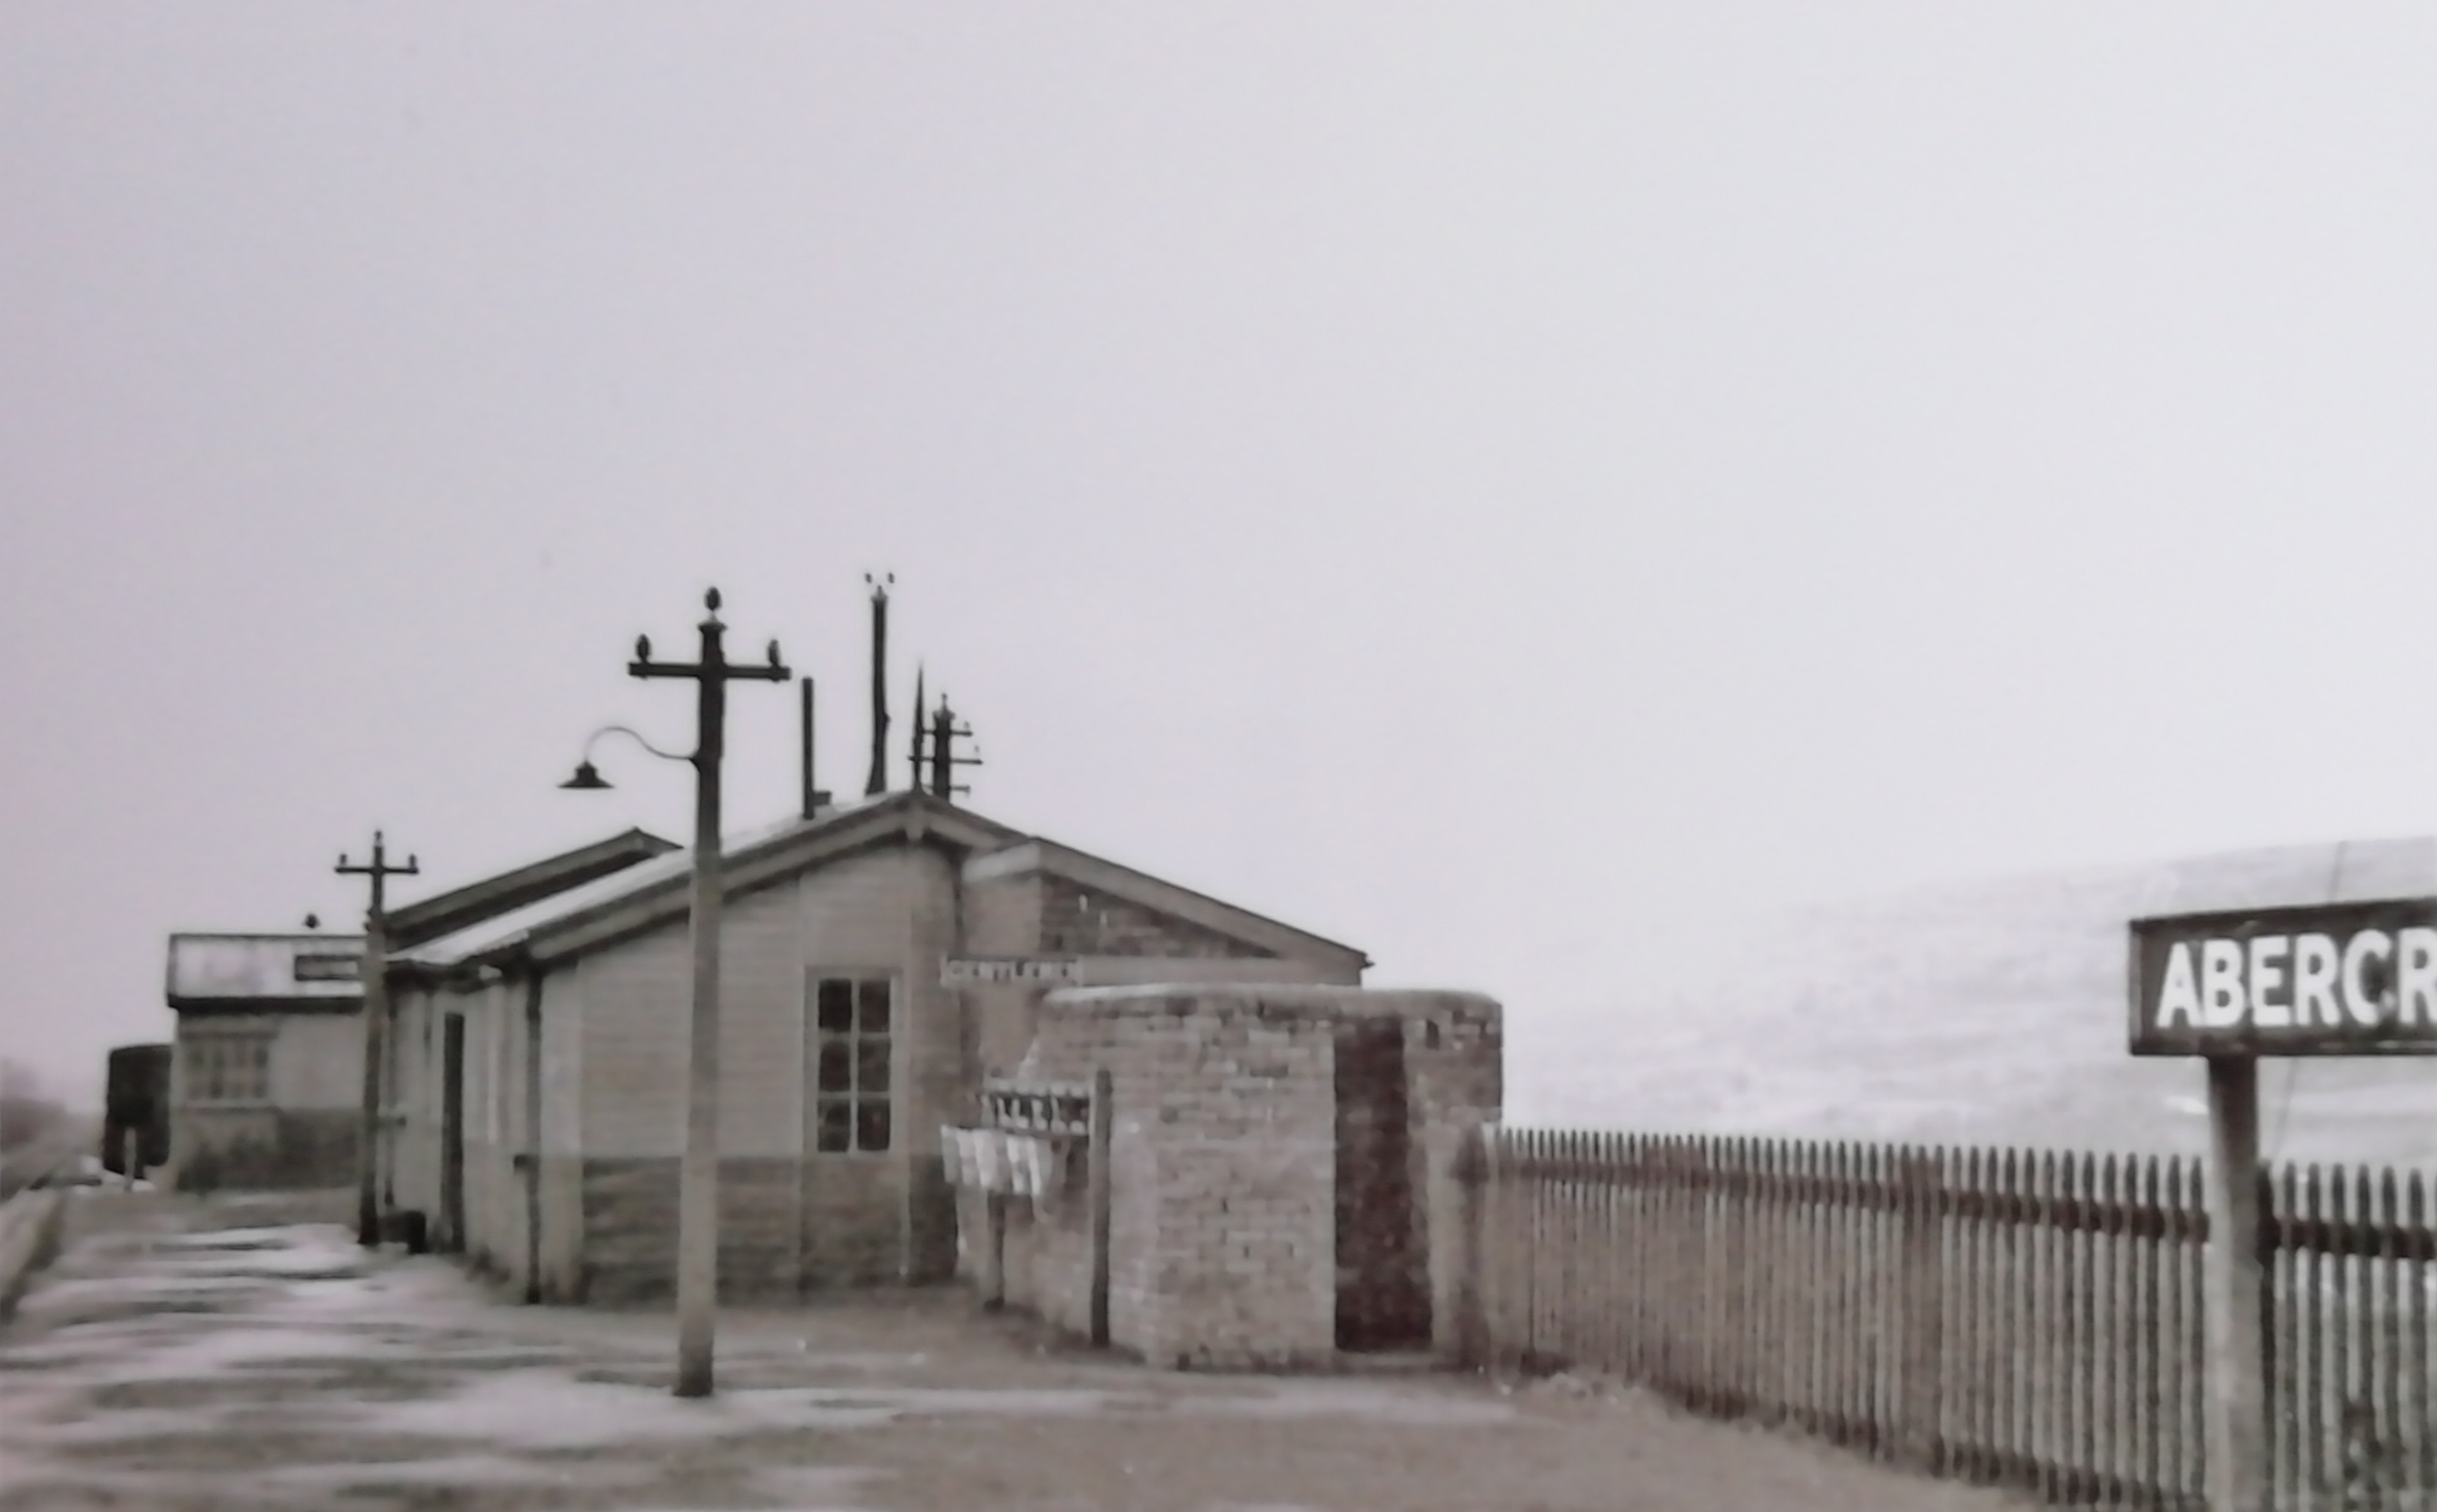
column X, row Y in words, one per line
column 2025, row 1318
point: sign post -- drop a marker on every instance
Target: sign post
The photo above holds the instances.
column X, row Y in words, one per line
column 2230, row 1269
column 2339, row 979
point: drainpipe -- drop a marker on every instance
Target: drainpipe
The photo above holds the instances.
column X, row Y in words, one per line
column 532, row 1136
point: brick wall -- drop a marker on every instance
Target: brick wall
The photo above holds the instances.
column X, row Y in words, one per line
column 1075, row 920
column 1222, row 1210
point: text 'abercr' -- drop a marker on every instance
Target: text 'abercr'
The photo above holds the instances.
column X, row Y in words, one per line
column 2350, row 978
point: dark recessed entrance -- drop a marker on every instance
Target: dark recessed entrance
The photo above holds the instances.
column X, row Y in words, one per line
column 452, row 1131
column 1383, row 1296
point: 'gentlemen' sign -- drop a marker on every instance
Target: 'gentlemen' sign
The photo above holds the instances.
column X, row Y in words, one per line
column 956, row 970
column 2342, row 979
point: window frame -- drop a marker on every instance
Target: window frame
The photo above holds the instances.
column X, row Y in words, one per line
column 204, row 1072
column 856, row 1045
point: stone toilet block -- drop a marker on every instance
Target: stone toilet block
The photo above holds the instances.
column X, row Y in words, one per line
column 1240, row 1177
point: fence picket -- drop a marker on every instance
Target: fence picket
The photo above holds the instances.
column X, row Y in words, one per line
column 2029, row 1318
column 2152, row 1336
column 2013, row 1395
column 2417, row 1279
column 2388, row 1381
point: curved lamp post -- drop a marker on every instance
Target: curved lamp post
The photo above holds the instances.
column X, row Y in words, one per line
column 587, row 778
column 698, row 1173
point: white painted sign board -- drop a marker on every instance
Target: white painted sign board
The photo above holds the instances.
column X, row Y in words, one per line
column 962, row 970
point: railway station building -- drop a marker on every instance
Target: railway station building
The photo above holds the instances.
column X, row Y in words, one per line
column 539, row 1071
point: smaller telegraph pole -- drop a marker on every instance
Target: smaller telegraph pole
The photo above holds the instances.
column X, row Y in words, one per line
column 945, row 733
column 914, row 746
column 375, row 986
column 698, row 1171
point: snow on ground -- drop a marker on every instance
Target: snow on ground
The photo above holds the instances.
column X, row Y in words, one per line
column 198, row 1357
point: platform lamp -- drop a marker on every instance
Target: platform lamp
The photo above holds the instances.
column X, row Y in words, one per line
column 698, row 1173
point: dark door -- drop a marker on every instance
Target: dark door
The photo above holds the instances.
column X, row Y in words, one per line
column 452, row 1131
column 1383, row 1296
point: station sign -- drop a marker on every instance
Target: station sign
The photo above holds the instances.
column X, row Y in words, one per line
column 1046, row 970
column 2338, row 979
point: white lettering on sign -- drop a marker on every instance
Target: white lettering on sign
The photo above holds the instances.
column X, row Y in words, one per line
column 2222, row 1002
column 2326, row 979
column 2314, row 980
column 2267, row 953
column 2362, row 1000
column 2379, row 977
column 2179, row 996
column 2415, row 977
column 960, row 969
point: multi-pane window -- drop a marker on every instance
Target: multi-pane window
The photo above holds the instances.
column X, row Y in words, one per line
column 228, row 1069
column 850, row 1087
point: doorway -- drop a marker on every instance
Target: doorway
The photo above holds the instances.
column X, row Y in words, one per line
column 1383, row 1296
column 452, row 1132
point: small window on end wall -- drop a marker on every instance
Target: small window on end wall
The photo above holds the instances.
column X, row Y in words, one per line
column 850, row 1088
column 228, row 1069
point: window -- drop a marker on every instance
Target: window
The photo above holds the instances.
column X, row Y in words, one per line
column 328, row 967
column 228, row 1069
column 850, row 1044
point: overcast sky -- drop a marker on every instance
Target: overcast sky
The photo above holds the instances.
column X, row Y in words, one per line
column 1493, row 484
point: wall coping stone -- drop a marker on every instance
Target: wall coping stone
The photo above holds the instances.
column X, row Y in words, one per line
column 1270, row 1000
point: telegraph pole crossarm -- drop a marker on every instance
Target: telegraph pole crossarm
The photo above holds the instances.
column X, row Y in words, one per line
column 375, row 990
column 945, row 733
column 698, row 1278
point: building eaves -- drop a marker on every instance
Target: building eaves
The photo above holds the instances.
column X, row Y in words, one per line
column 459, row 908
column 653, row 893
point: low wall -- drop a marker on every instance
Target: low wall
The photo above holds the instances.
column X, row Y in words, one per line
column 265, row 1149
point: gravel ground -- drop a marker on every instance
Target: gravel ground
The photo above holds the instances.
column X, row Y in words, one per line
column 184, row 1354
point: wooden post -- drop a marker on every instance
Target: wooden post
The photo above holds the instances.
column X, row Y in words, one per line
column 1099, row 1199
column 1923, row 1302
column 375, row 975
column 2237, row 1398
column 698, row 1165
column 1471, row 1214
column 993, row 1252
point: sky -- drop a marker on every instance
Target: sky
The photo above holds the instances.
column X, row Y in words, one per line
column 1526, row 491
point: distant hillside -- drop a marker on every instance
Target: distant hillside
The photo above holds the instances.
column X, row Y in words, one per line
column 1992, row 1012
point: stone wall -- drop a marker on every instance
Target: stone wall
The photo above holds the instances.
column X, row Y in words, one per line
column 267, row 1149
column 1222, row 1192
column 1075, row 920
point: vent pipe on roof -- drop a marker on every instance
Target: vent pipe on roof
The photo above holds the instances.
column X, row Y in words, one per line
column 878, row 782
column 815, row 799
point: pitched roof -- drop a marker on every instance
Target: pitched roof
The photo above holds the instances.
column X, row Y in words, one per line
column 448, row 912
column 655, row 892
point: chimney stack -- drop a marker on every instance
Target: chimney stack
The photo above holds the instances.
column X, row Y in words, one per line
column 878, row 782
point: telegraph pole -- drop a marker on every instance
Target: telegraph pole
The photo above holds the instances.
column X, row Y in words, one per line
column 913, row 747
column 376, row 986
column 878, row 782
column 698, row 1173
column 945, row 733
